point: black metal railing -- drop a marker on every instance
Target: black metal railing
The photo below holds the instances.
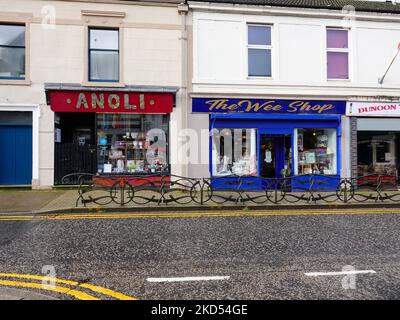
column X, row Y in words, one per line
column 169, row 189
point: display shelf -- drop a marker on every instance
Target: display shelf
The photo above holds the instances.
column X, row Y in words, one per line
column 133, row 158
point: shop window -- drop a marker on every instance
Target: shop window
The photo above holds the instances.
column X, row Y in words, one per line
column 132, row 143
column 259, row 49
column 103, row 55
column 337, row 44
column 234, row 152
column 12, row 52
column 316, row 151
column 376, row 153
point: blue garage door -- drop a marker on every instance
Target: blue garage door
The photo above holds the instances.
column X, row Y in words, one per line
column 15, row 154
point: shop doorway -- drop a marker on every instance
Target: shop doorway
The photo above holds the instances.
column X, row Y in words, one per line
column 15, row 148
column 16, row 155
column 275, row 155
column 75, row 145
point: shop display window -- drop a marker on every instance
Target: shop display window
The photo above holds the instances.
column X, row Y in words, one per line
column 234, row 152
column 316, row 151
column 132, row 143
column 376, row 153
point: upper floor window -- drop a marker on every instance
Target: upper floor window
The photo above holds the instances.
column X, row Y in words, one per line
column 259, row 47
column 12, row 51
column 103, row 55
column 337, row 44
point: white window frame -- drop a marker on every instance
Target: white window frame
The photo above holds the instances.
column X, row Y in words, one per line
column 259, row 47
column 35, row 109
column 90, row 50
column 338, row 50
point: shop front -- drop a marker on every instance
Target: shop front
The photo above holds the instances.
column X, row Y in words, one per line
column 274, row 139
column 111, row 133
column 378, row 140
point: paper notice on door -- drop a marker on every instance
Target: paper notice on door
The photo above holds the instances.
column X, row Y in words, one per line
column 388, row 157
column 268, row 156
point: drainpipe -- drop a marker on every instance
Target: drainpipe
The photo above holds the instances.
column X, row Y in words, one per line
column 183, row 9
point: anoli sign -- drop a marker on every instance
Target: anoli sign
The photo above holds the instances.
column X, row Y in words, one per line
column 107, row 102
column 267, row 106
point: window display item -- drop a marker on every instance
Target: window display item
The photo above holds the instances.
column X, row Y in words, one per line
column 107, row 168
column 122, row 143
column 234, row 152
column 310, row 157
column 377, row 153
column 316, row 151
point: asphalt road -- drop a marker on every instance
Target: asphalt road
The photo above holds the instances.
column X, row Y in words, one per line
column 265, row 257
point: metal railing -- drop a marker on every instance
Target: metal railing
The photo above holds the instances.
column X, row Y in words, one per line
column 244, row 190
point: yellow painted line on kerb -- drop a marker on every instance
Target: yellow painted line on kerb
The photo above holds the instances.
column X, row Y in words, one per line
column 286, row 212
column 107, row 292
column 94, row 288
column 75, row 293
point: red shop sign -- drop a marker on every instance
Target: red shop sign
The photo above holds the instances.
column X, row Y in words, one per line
column 110, row 102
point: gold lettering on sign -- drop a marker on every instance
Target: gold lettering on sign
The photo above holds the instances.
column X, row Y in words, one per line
column 306, row 106
column 97, row 102
column 266, row 106
column 128, row 106
column 294, row 105
column 82, row 100
column 271, row 105
column 220, row 104
column 113, row 101
column 141, row 101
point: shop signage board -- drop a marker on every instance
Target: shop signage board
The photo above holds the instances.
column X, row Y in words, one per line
column 373, row 109
column 110, row 102
column 271, row 106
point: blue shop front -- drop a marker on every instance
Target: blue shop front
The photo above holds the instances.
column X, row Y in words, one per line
column 273, row 140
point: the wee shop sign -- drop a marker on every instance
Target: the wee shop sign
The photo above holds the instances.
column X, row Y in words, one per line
column 110, row 102
column 272, row 106
column 373, row 109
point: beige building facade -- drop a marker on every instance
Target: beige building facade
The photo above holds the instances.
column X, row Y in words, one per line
column 152, row 44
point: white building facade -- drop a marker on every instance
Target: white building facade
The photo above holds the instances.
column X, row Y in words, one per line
column 280, row 77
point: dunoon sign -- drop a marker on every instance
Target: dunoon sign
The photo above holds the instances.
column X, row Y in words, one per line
column 221, row 105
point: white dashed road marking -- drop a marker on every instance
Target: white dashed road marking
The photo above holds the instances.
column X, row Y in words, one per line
column 338, row 273
column 181, row 279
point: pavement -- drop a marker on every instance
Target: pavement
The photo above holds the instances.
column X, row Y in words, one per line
column 14, row 200
column 65, row 200
column 19, row 294
column 207, row 255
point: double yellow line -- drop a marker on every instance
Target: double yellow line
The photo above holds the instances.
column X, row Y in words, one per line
column 75, row 288
column 221, row 213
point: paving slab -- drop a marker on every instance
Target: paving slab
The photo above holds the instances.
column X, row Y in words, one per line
column 26, row 200
column 19, row 294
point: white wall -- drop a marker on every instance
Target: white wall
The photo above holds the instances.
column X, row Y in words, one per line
column 299, row 55
column 298, row 58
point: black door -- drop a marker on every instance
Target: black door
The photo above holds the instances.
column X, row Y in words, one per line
column 75, row 146
column 268, row 156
